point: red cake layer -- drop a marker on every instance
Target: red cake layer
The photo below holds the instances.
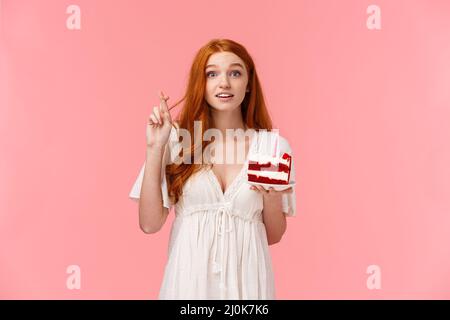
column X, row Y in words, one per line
column 268, row 167
column 254, row 178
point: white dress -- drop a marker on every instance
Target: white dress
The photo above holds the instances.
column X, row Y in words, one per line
column 218, row 245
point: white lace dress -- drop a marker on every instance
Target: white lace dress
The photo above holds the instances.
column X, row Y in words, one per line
column 218, row 247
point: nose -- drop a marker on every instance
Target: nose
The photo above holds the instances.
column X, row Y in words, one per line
column 224, row 82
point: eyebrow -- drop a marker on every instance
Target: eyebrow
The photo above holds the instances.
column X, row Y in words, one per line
column 233, row 64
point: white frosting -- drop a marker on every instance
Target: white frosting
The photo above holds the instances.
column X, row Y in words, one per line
column 264, row 158
column 270, row 174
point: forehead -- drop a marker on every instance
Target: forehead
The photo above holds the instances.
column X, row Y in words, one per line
column 224, row 59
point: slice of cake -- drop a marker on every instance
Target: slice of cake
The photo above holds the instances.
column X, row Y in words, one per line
column 265, row 165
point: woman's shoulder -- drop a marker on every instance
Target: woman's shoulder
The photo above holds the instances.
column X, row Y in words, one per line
column 284, row 141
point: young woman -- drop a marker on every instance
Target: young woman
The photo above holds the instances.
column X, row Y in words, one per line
column 218, row 247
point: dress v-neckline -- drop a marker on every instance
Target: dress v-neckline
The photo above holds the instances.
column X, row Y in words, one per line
column 238, row 176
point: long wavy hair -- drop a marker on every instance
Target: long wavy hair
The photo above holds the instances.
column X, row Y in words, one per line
column 195, row 108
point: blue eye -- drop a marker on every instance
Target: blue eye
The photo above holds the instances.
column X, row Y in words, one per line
column 213, row 72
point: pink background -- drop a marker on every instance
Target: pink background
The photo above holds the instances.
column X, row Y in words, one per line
column 366, row 112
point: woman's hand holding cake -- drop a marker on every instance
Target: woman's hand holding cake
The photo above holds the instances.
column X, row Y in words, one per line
column 271, row 192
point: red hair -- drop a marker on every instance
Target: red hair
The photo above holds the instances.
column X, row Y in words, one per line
column 195, row 108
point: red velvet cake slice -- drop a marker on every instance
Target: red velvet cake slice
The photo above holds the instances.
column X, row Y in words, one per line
column 266, row 166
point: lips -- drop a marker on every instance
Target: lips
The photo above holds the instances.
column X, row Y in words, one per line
column 225, row 99
column 224, row 95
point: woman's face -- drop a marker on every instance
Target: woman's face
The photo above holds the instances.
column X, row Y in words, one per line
column 225, row 73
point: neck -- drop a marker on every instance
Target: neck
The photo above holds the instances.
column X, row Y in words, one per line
column 228, row 120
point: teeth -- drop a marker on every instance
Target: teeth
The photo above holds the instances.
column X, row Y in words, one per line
column 224, row 95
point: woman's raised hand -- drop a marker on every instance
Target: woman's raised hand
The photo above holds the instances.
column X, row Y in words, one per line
column 159, row 123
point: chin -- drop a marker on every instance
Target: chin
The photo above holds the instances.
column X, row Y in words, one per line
column 223, row 107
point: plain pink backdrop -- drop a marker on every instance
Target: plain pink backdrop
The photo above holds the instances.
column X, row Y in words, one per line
column 366, row 112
